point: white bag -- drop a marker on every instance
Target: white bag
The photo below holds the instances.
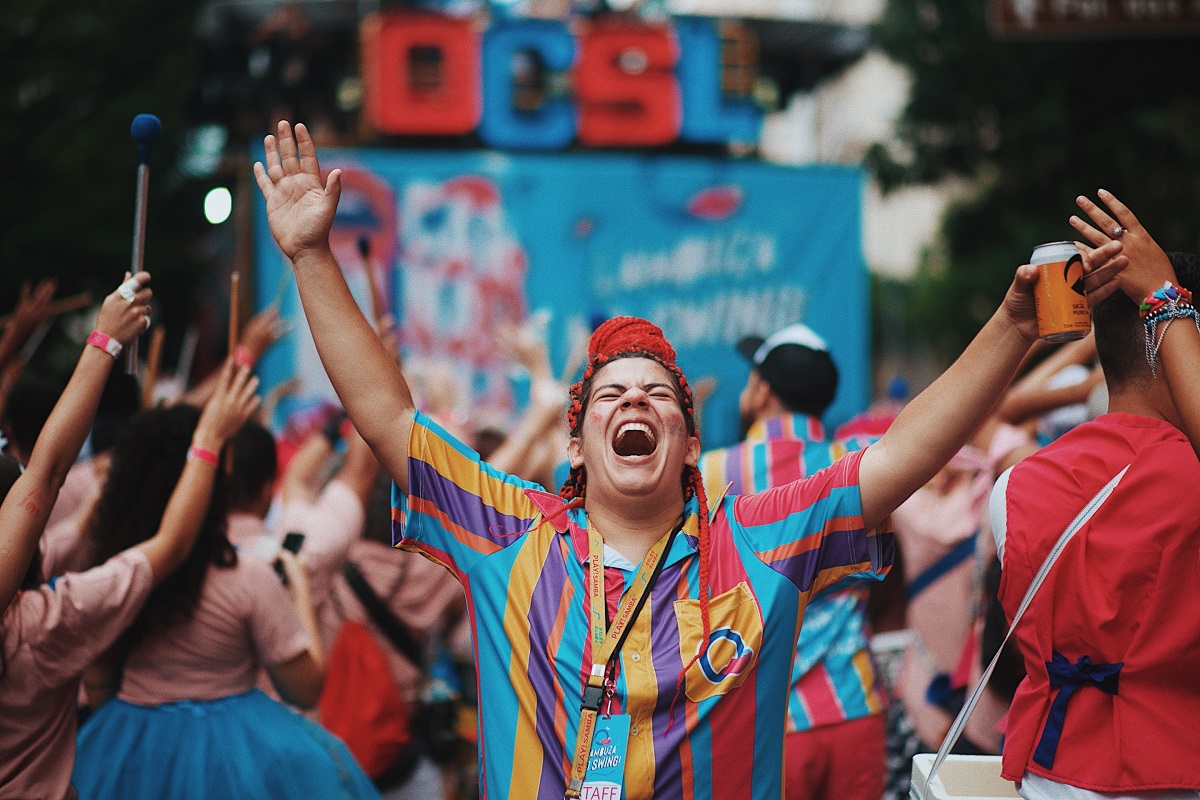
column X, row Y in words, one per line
column 960, row 778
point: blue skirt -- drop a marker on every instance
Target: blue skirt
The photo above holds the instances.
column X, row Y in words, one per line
column 247, row 745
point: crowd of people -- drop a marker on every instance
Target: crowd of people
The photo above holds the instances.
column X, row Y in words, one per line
column 196, row 605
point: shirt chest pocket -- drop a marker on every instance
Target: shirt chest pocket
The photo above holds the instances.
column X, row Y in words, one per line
column 733, row 644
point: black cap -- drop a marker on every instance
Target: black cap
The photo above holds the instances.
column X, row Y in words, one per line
column 796, row 364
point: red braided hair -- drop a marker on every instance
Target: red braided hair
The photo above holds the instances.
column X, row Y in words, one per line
column 632, row 337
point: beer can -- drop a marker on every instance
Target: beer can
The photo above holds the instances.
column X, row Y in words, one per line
column 1062, row 309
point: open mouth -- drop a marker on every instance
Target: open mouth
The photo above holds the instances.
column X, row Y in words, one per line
column 634, row 439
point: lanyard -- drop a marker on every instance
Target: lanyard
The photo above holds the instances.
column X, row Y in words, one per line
column 606, row 644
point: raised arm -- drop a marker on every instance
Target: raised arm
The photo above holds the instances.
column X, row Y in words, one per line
column 300, row 210
column 546, row 402
column 298, row 482
column 1149, row 267
column 27, row 506
column 940, row 420
column 33, row 308
column 233, row 401
column 259, row 333
column 1031, row 396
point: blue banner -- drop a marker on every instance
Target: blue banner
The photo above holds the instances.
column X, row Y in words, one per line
column 460, row 244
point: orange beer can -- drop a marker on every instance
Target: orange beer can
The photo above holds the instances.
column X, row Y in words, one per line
column 1062, row 309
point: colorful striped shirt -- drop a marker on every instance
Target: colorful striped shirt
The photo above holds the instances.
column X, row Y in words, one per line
column 716, row 734
column 833, row 676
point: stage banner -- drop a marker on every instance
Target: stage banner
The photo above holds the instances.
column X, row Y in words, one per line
column 460, row 244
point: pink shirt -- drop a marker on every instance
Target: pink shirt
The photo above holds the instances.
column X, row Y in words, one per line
column 65, row 548
column 82, row 485
column 929, row 525
column 244, row 619
column 248, row 533
column 424, row 595
column 330, row 524
column 50, row 635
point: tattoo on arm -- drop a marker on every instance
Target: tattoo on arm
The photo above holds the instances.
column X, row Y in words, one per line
column 34, row 503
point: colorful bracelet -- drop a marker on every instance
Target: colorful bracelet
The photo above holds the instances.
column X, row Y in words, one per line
column 105, row 343
column 1166, row 297
column 1166, row 314
column 197, row 453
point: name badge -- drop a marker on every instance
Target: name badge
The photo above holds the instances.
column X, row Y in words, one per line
column 606, row 761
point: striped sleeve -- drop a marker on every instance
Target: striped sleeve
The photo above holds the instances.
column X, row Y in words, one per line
column 811, row 530
column 458, row 509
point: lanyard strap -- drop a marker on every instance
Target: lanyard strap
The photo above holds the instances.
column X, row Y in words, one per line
column 606, row 644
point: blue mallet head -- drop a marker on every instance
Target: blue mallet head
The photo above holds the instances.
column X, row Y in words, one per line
column 145, row 130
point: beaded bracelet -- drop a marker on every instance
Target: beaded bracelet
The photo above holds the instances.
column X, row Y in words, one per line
column 1164, row 305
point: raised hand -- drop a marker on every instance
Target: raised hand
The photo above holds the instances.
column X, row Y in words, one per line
column 525, row 345
column 232, row 403
column 300, row 207
column 33, row 305
column 263, row 330
column 125, row 313
column 1018, row 302
column 1148, row 265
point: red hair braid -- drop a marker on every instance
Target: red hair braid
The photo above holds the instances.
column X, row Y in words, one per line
column 702, row 532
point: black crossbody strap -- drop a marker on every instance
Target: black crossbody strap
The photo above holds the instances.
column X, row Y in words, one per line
column 387, row 622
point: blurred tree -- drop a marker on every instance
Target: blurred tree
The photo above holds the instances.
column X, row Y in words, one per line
column 77, row 73
column 1033, row 124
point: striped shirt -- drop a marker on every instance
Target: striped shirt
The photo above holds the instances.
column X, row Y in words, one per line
column 833, row 677
column 524, row 570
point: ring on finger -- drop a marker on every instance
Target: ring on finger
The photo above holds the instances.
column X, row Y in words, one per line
column 1117, row 232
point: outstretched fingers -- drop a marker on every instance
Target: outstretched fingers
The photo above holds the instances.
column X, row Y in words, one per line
column 1097, row 215
column 1124, row 216
column 306, row 150
column 271, row 157
column 1113, row 222
column 265, row 184
column 288, row 158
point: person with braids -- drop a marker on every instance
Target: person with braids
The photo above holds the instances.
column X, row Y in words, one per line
column 627, row 635
column 51, row 630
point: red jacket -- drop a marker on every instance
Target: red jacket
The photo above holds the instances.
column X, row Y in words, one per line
column 1124, row 593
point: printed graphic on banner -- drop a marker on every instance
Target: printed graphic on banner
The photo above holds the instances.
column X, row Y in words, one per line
column 461, row 244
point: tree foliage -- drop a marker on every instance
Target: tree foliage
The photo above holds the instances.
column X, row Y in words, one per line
column 76, row 73
column 1032, row 124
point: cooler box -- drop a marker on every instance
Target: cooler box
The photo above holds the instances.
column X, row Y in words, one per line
column 960, row 778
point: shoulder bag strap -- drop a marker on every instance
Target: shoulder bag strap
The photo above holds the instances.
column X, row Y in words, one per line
column 387, row 622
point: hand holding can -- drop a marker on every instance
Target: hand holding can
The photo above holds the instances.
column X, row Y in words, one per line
column 1062, row 309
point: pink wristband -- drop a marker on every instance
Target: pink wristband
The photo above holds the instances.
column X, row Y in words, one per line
column 202, row 454
column 105, row 343
column 243, row 357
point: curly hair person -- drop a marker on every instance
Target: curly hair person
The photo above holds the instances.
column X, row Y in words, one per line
column 147, row 461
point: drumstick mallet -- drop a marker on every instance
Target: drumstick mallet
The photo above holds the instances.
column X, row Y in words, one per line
column 235, row 296
column 145, row 131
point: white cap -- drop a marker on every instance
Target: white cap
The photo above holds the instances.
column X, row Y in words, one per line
column 792, row 334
